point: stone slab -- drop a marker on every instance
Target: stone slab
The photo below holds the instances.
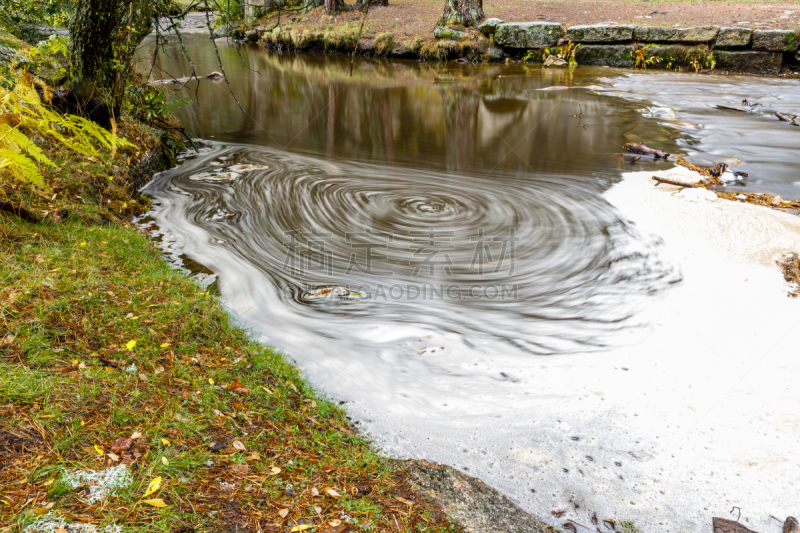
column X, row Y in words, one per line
column 733, row 37
column 657, row 34
column 528, row 34
column 752, row 62
column 775, row 40
column 620, row 56
column 489, row 26
column 600, row 34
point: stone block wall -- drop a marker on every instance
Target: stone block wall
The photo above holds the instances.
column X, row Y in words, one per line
column 628, row 46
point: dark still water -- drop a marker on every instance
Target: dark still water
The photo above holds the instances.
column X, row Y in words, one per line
column 432, row 244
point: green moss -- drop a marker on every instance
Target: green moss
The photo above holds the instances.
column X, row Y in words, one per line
column 384, row 43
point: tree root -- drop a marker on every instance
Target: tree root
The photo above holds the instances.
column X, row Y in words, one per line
column 21, row 212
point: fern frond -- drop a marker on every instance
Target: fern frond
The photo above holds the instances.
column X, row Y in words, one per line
column 21, row 167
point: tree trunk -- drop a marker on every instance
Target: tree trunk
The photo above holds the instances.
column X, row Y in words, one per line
column 462, row 13
column 105, row 35
column 92, row 29
column 332, row 7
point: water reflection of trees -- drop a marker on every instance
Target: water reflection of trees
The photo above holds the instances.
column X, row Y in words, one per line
column 458, row 118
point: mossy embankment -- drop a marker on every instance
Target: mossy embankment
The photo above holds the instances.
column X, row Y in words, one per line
column 110, row 358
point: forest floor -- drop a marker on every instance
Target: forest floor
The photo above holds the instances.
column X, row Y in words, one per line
column 410, row 18
column 129, row 398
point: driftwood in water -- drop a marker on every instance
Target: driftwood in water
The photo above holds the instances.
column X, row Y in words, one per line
column 21, row 212
column 641, row 148
column 713, row 174
column 784, row 118
column 729, row 108
column 659, row 181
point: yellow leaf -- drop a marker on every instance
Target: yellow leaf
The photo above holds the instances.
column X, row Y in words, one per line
column 157, row 502
column 166, row 345
column 154, row 486
column 83, row 244
column 98, row 449
column 130, row 345
column 165, row 442
column 210, row 381
column 302, row 527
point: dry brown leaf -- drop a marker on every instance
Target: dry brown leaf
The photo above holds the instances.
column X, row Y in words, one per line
column 333, row 493
column 239, row 446
column 283, row 513
column 403, row 500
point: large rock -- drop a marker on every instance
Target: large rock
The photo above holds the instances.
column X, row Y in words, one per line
column 555, row 62
column 655, row 34
column 528, row 34
column 753, row 62
column 468, row 501
column 601, row 55
column 733, row 37
column 599, row 34
column 489, row 26
column 775, row 40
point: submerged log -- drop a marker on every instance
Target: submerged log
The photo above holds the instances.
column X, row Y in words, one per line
column 641, row 148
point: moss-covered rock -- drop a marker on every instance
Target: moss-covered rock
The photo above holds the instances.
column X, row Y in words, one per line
column 599, row 34
column 489, row 26
column 528, row 34
column 753, row 62
column 448, row 33
column 733, row 37
column 775, row 40
column 620, row 56
column 676, row 56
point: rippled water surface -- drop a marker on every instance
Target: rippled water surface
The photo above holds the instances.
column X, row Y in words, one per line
column 422, row 237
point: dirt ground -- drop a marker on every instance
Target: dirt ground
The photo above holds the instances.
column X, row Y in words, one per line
column 415, row 17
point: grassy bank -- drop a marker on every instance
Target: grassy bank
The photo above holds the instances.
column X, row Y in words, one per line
column 117, row 372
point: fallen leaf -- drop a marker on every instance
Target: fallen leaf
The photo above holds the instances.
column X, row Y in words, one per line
column 130, row 345
column 239, row 469
column 98, row 449
column 113, row 456
column 154, row 486
column 166, row 345
column 166, row 442
column 165, row 461
column 283, row 513
column 237, row 387
column 136, row 435
column 210, row 381
column 253, row 456
column 157, row 502
column 403, row 500
column 238, row 445
column 275, row 471
column 293, row 387
column 129, row 315
column 335, row 522
column 318, row 509
column 301, row 527
column 143, row 376
column 314, row 491
column 333, row 493
column 158, row 370
column 61, row 530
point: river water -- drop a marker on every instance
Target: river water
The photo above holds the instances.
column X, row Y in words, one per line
column 451, row 250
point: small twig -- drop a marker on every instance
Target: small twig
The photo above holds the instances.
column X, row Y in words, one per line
column 740, row 512
column 674, row 182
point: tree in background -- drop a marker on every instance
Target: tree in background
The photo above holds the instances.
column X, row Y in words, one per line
column 105, row 35
column 462, row 13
